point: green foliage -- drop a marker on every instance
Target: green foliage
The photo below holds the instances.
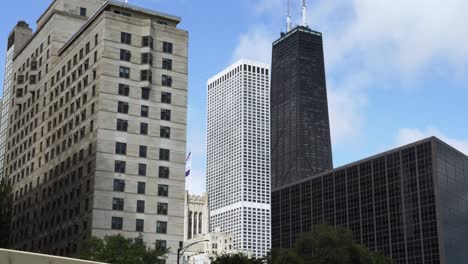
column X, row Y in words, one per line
column 6, row 203
column 236, row 259
column 120, row 250
column 328, row 245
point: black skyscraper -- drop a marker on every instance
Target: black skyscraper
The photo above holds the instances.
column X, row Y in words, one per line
column 300, row 130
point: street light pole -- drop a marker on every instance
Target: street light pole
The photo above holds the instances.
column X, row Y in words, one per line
column 181, row 250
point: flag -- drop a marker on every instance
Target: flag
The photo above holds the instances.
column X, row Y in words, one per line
column 188, row 164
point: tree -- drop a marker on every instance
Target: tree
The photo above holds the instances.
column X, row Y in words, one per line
column 120, row 250
column 236, row 259
column 328, row 245
column 6, row 203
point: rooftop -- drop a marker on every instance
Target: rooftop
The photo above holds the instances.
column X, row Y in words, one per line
column 294, row 30
column 429, row 139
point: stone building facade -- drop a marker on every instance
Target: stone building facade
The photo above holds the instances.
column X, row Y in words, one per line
column 96, row 133
column 197, row 215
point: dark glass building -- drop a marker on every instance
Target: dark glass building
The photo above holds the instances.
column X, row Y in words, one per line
column 300, row 130
column 411, row 203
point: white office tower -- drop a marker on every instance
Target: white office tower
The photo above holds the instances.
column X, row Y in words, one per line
column 238, row 159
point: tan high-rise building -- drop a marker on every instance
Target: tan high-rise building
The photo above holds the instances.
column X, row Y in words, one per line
column 95, row 133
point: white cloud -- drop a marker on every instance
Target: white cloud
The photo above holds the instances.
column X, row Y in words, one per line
column 255, row 44
column 410, row 135
column 346, row 106
column 396, row 36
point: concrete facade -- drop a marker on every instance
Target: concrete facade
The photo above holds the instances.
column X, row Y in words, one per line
column 215, row 244
column 97, row 132
column 197, row 215
column 21, row 257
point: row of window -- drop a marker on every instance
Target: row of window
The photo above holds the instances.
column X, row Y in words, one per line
column 145, row 75
column 122, row 125
column 124, row 90
column 121, row 149
column 146, row 58
column 146, row 41
column 118, row 205
column 161, row 228
column 119, row 186
column 123, row 107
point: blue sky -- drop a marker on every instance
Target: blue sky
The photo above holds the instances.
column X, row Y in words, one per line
column 397, row 70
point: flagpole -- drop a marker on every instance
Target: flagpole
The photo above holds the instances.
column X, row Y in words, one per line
column 188, row 169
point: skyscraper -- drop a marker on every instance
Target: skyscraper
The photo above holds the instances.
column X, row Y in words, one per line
column 300, row 129
column 16, row 40
column 96, row 128
column 238, row 164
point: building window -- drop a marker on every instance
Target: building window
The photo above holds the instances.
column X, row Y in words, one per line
column 121, row 148
column 145, row 91
column 126, row 38
column 162, row 208
column 166, row 98
column 125, row 55
column 165, row 132
column 82, row 11
column 140, row 206
column 143, row 151
column 118, row 204
column 141, row 169
column 163, row 190
column 164, row 154
column 117, row 223
column 124, row 72
column 144, row 110
column 147, row 58
column 141, row 188
column 163, row 172
column 147, row 41
column 122, row 125
column 32, row 79
column 166, row 114
column 143, row 128
column 146, row 75
column 167, row 64
column 167, row 47
column 124, row 89
column 166, row 81
column 139, row 225
column 161, row 227
column 122, row 107
column 119, row 185
column 161, row 245
column 119, row 166
column 122, row 13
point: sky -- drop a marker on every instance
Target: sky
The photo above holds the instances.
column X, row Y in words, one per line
column 397, row 70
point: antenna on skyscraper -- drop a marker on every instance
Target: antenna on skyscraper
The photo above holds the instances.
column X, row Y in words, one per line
column 304, row 13
column 288, row 17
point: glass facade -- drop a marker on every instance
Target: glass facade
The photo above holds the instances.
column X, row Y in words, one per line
column 452, row 183
column 390, row 202
column 300, row 130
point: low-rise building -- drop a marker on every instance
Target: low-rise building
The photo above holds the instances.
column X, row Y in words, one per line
column 209, row 246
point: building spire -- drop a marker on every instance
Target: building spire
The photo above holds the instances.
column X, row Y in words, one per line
column 304, row 13
column 288, row 17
